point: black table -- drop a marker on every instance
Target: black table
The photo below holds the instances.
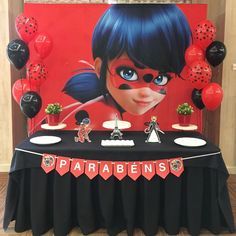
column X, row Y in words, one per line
column 197, row 199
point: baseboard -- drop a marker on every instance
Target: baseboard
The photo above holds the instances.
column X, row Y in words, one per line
column 232, row 169
column 4, row 167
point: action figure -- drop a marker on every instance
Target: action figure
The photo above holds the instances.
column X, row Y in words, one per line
column 83, row 131
column 152, row 131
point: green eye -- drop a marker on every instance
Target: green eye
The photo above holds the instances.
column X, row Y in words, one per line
column 127, row 73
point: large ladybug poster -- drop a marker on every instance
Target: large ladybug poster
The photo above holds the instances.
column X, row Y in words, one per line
column 107, row 60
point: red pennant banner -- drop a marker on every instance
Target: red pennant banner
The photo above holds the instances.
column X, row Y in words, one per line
column 120, row 170
column 91, row 168
column 148, row 169
column 105, row 169
column 63, row 165
column 176, row 166
column 77, row 167
column 134, row 170
column 48, row 162
column 162, row 168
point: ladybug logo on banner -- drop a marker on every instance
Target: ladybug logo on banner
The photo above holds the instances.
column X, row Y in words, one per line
column 63, row 165
column 176, row 166
column 48, row 162
column 134, row 170
column 148, row 169
column 105, row 169
column 77, row 167
column 162, row 168
column 120, row 170
column 91, row 169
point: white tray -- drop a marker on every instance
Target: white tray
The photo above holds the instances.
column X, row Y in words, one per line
column 117, row 143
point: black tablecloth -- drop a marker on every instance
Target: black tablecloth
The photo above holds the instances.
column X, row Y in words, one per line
column 197, row 199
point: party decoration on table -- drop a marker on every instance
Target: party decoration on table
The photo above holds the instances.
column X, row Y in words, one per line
column 197, row 98
column 18, row 53
column 212, row 96
column 199, row 74
column 106, row 169
column 116, row 125
column 43, row 45
column 30, row 104
column 116, row 133
column 83, row 131
column 152, row 131
column 37, row 73
column 53, row 111
column 26, row 27
column 204, row 33
column 20, row 87
column 215, row 53
column 184, row 112
column 193, row 53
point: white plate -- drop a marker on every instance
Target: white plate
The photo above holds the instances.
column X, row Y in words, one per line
column 190, row 142
column 53, row 127
column 44, row 140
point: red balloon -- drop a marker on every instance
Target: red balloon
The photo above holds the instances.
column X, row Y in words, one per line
column 26, row 27
column 204, row 34
column 199, row 74
column 212, row 96
column 37, row 73
column 43, row 45
column 20, row 87
column 193, row 53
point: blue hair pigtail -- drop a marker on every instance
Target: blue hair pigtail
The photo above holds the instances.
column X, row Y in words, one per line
column 83, row 87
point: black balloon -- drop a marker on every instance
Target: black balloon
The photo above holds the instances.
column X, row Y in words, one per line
column 215, row 53
column 18, row 53
column 197, row 98
column 30, row 104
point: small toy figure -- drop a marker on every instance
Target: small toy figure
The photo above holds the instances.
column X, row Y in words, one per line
column 152, row 131
column 83, row 131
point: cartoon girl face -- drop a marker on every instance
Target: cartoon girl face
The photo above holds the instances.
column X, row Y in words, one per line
column 134, row 88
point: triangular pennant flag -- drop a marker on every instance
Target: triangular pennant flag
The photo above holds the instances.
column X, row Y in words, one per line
column 134, row 170
column 120, row 170
column 105, row 169
column 176, row 166
column 148, row 169
column 77, row 167
column 63, row 165
column 48, row 162
column 91, row 168
column 162, row 168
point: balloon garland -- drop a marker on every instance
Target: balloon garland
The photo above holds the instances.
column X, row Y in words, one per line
column 25, row 91
column 200, row 56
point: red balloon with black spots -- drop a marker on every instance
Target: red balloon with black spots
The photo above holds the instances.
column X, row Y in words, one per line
column 26, row 27
column 37, row 73
column 204, row 34
column 199, row 74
